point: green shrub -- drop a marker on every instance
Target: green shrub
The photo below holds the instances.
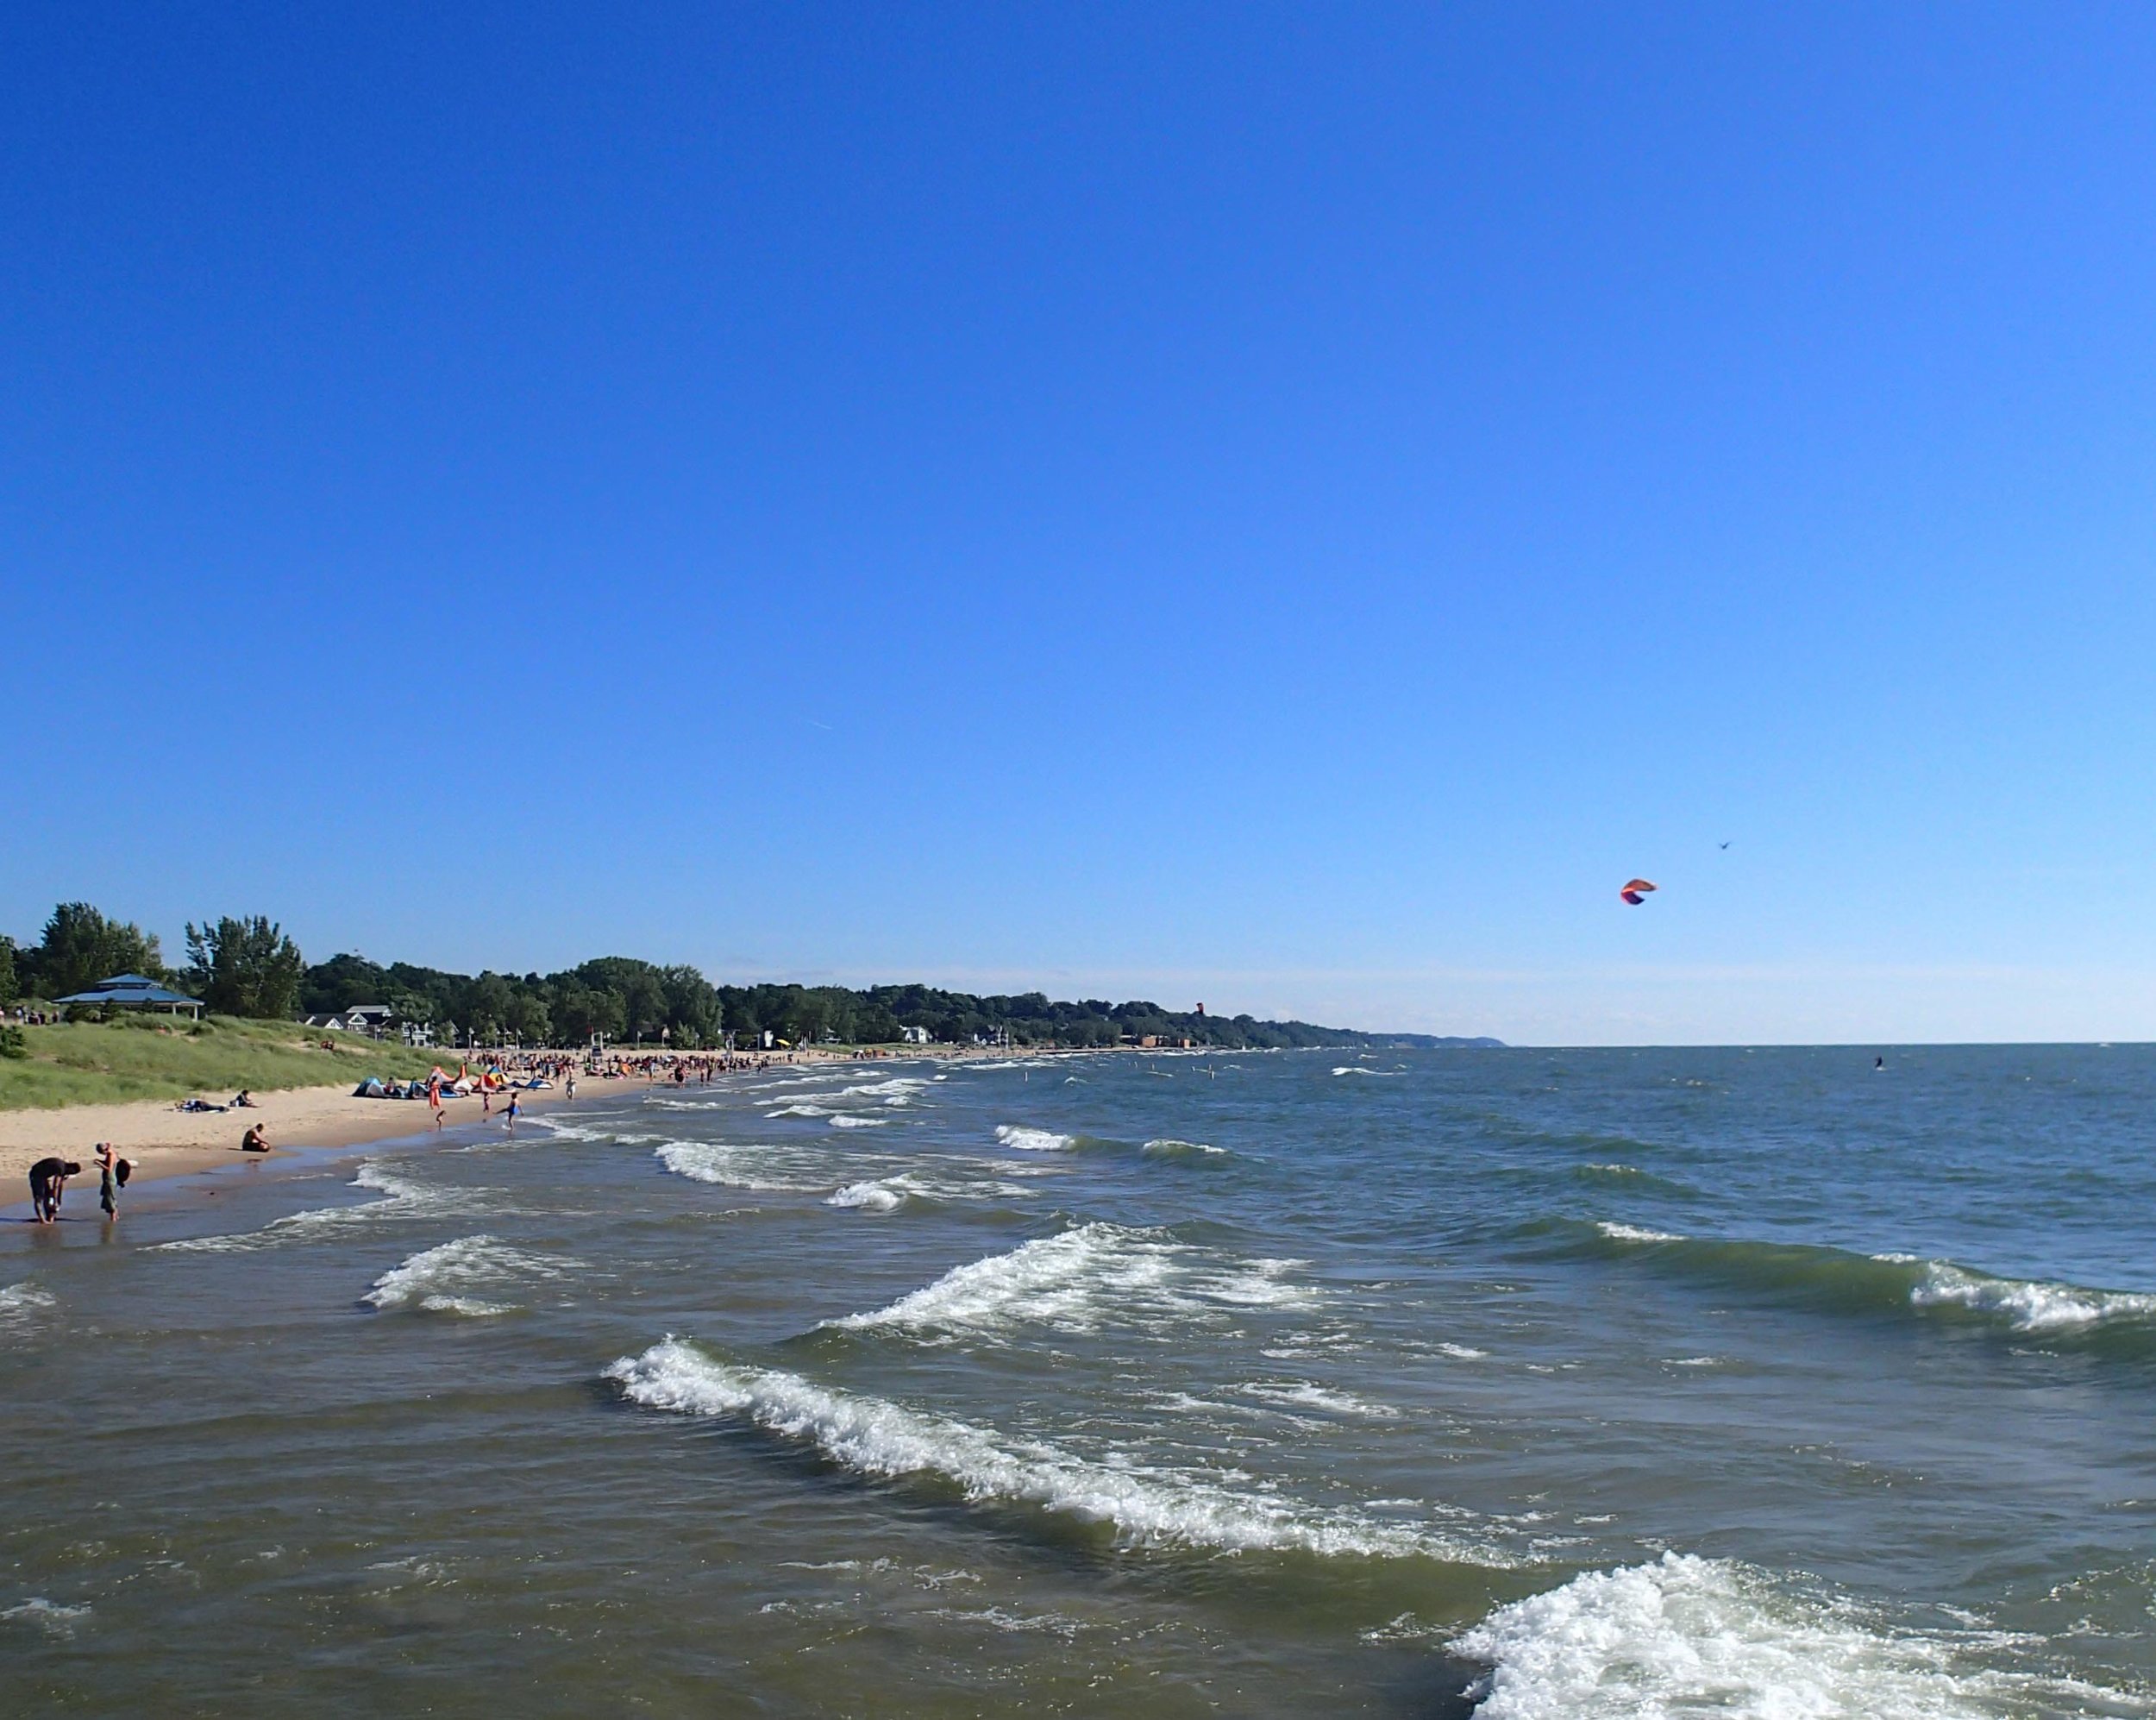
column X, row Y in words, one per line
column 12, row 1043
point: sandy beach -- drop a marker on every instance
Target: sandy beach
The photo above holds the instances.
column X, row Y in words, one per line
column 164, row 1141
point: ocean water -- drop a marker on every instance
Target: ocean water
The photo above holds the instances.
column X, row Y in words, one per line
column 1517, row 1383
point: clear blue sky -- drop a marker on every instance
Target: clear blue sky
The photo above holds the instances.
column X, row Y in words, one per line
column 1287, row 506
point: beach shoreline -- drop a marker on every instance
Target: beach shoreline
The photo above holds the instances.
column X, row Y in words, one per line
column 163, row 1142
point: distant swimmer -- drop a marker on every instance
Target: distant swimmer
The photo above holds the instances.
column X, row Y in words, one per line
column 1878, row 1063
column 48, row 1176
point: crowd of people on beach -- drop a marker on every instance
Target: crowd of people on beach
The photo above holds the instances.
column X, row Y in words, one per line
column 504, row 1076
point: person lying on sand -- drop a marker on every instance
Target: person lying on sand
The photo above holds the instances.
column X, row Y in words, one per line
column 254, row 1140
column 47, row 1177
column 201, row 1105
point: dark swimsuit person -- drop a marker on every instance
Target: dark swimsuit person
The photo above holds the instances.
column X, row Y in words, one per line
column 47, row 1177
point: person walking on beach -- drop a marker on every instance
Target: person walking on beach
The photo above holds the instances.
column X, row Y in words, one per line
column 572, row 1083
column 47, row 1177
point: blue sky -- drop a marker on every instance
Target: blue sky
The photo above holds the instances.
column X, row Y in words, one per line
column 1287, row 506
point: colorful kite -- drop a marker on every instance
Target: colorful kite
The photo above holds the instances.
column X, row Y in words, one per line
column 1636, row 891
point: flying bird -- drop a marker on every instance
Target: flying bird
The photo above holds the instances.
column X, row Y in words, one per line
column 1636, row 891
column 1725, row 844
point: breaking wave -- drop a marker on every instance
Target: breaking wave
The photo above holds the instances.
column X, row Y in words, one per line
column 869, row 1196
column 1146, row 1506
column 21, row 1303
column 1878, row 1284
column 768, row 1170
column 438, row 1279
column 1694, row 1637
column 1084, row 1278
column 1193, row 1151
column 1034, row 1140
column 402, row 1198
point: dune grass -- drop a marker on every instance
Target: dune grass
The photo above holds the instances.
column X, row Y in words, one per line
column 144, row 1057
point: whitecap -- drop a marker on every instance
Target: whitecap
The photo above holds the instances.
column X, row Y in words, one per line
column 1034, row 1140
column 1146, row 1506
column 1084, row 1278
column 1303, row 1394
column 1168, row 1147
column 868, row 1197
column 771, row 1169
column 21, row 1304
column 1462, row 1352
column 402, row 1197
column 2027, row 1305
column 1685, row 1636
column 437, row 1279
column 49, row 1616
column 858, row 1122
column 1633, row 1233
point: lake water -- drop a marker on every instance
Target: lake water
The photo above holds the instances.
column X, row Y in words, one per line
column 1529, row 1383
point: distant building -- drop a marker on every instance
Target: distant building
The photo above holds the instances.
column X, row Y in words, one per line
column 913, row 1036
column 132, row 991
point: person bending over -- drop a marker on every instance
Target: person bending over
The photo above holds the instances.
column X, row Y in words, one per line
column 48, row 1176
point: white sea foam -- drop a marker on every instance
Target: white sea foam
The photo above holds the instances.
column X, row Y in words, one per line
column 1034, row 1140
column 1633, row 1233
column 898, row 1090
column 1694, row 1637
column 1147, row 1506
column 21, row 1303
column 438, row 1279
column 868, row 1197
column 1462, row 1352
column 847, row 1121
column 51, row 1617
column 771, row 1169
column 402, row 1197
column 1304, row 1396
column 2028, row 1306
column 1167, row 1147
column 1084, row 1278
column 797, row 1111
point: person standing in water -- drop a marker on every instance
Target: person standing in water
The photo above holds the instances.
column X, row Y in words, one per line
column 48, row 1176
column 509, row 1117
column 112, row 1177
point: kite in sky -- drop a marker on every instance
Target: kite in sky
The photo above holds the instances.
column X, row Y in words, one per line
column 1636, row 891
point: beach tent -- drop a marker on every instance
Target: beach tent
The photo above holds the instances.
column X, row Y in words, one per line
column 135, row 991
column 370, row 1088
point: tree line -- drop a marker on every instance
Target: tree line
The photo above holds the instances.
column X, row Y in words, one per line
column 248, row 966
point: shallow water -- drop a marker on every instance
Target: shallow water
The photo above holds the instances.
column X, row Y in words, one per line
column 1580, row 1383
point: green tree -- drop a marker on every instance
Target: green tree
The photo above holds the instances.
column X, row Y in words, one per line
column 9, row 989
column 529, row 1019
column 245, row 967
column 80, row 946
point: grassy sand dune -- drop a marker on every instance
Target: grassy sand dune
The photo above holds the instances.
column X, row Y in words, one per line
column 149, row 1057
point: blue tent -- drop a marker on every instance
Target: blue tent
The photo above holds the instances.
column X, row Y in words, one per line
column 133, row 991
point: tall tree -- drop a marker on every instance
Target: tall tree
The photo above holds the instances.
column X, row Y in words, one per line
column 245, row 967
column 81, row 946
column 9, row 990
